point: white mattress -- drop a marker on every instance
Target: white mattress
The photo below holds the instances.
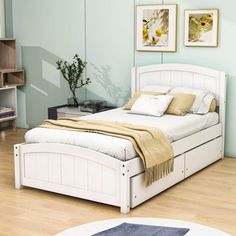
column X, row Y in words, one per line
column 174, row 127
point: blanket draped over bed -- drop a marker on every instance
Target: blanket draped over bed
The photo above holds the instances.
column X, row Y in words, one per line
column 150, row 143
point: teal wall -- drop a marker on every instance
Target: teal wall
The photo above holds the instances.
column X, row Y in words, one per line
column 109, row 49
column 8, row 18
column 45, row 31
column 102, row 32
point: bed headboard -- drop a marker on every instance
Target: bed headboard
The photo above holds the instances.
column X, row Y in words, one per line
column 185, row 76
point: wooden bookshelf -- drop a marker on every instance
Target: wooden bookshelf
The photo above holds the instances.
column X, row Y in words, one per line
column 10, row 78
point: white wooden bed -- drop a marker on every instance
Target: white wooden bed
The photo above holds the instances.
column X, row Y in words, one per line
column 87, row 174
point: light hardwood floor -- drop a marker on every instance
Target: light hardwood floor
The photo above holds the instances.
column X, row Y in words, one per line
column 208, row 198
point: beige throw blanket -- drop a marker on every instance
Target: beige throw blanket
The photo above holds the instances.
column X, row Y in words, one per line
column 150, row 143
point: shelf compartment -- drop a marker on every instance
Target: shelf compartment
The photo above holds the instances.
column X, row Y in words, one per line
column 11, row 77
column 8, row 98
column 8, row 53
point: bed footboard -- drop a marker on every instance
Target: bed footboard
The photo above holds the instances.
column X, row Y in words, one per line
column 74, row 171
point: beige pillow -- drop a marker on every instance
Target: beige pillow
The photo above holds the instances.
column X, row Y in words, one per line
column 137, row 95
column 213, row 105
column 181, row 104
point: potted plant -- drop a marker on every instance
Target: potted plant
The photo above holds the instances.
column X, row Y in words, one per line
column 73, row 75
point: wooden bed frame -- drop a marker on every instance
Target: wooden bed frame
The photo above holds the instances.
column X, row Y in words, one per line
column 87, row 174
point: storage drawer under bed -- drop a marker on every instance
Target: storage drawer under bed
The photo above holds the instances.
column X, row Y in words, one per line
column 141, row 193
column 203, row 156
column 184, row 166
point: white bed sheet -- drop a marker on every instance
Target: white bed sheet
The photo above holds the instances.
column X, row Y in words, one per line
column 174, row 127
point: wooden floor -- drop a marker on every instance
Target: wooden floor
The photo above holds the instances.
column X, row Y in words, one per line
column 208, row 198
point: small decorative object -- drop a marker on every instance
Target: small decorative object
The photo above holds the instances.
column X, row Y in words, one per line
column 156, row 27
column 201, row 28
column 73, row 75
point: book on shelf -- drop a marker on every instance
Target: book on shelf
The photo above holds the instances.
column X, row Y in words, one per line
column 6, row 112
column 6, row 116
column 4, row 109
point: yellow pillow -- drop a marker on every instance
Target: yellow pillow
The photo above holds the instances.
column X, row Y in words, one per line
column 137, row 95
column 213, row 105
column 181, row 103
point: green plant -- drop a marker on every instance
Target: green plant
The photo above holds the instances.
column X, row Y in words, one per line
column 73, row 74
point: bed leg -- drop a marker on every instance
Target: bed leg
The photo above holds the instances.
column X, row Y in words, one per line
column 124, row 190
column 124, row 209
column 17, row 166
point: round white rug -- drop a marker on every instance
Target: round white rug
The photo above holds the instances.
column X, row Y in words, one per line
column 98, row 226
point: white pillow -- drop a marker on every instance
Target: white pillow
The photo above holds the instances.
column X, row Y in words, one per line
column 151, row 105
column 202, row 100
column 205, row 104
column 157, row 88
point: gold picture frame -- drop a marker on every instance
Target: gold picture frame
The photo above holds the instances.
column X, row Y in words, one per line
column 201, row 28
column 156, row 28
